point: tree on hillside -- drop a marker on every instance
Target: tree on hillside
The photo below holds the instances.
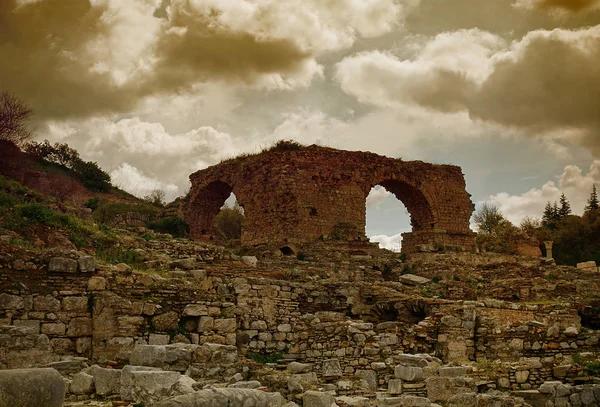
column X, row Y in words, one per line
column 156, row 197
column 14, row 114
column 488, row 219
column 496, row 233
column 565, row 207
column 551, row 216
column 592, row 204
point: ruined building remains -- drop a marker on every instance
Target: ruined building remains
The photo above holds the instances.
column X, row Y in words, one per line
column 293, row 194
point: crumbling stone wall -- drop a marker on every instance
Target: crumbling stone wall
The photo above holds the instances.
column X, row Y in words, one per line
column 307, row 193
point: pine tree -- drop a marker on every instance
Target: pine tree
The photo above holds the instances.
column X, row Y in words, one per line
column 565, row 207
column 592, row 204
column 555, row 212
column 547, row 217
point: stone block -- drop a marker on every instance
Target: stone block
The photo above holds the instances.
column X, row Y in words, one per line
column 107, row 381
column 224, row 324
column 148, row 355
column 54, row 329
column 62, row 265
column 31, row 387
column 158, row 339
column 331, row 367
column 96, row 283
column 11, row 302
column 80, row 327
column 418, row 360
column 75, row 304
column 317, row 399
column 226, row 397
column 395, row 386
column 250, row 384
column 587, row 266
column 409, row 373
column 205, row 324
column 195, row 310
column 521, row 376
column 46, row 303
column 368, row 379
column 126, row 379
column 353, row 401
column 82, row 383
column 168, row 321
column 87, row 264
column 27, row 327
column 414, row 280
column 251, row 261
column 149, row 387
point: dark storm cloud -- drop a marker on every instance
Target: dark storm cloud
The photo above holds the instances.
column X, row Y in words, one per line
column 571, row 5
column 40, row 50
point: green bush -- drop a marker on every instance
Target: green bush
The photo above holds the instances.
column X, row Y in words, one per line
column 92, row 203
column 7, row 199
column 592, row 368
column 229, row 221
column 173, row 225
column 37, row 213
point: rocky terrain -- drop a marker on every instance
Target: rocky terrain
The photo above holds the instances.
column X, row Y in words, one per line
column 128, row 316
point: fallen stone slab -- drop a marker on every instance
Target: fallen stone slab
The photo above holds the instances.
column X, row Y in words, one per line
column 31, row 387
column 353, row 401
column 107, row 381
column 126, row 379
column 318, row 399
column 82, row 383
column 412, row 279
column 149, row 387
column 409, row 373
column 587, row 265
column 227, row 397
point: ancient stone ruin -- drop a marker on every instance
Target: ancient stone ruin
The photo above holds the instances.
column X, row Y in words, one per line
column 293, row 194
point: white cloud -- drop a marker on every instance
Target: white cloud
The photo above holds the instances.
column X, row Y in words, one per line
column 576, row 185
column 393, row 243
column 442, row 75
column 543, row 84
column 377, row 195
column 132, row 180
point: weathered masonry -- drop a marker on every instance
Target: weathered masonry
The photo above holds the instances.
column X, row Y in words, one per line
column 292, row 194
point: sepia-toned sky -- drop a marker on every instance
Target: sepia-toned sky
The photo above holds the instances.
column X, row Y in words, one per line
column 156, row 89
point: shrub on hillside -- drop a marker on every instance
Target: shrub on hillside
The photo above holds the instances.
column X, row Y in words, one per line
column 173, row 225
column 89, row 173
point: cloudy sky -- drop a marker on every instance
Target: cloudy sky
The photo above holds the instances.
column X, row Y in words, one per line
column 156, row 89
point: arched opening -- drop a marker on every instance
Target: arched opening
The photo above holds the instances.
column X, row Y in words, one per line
column 215, row 203
column 386, row 219
column 287, row 251
column 230, row 219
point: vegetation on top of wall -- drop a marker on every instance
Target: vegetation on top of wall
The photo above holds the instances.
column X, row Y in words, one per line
column 281, row 145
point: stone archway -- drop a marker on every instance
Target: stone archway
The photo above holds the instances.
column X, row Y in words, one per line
column 205, row 204
column 303, row 194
